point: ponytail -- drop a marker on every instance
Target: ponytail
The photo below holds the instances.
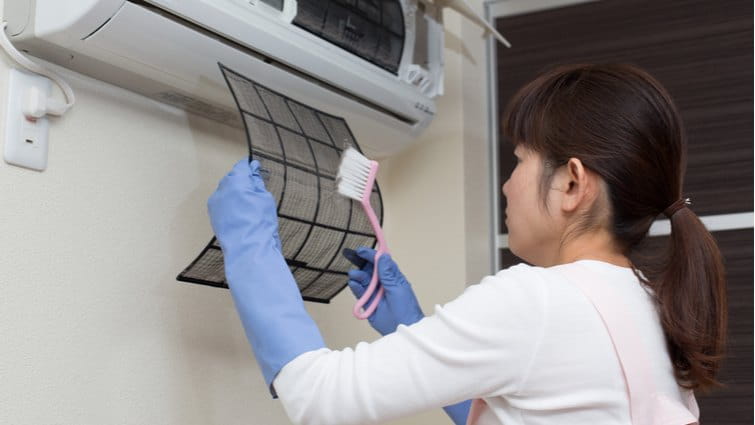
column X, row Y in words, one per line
column 691, row 293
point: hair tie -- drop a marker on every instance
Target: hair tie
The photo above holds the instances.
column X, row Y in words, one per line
column 676, row 206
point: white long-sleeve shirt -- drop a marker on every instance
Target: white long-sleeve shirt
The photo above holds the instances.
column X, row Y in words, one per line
column 525, row 340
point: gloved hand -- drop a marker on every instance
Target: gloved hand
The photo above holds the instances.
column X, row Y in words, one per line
column 243, row 216
column 399, row 305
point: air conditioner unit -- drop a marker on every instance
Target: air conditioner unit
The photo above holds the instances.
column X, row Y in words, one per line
column 377, row 63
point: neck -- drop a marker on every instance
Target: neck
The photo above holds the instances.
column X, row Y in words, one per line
column 596, row 245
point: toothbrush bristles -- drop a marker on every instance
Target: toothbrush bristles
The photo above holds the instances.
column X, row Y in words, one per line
column 353, row 174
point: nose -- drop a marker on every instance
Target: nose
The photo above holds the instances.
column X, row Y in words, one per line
column 503, row 188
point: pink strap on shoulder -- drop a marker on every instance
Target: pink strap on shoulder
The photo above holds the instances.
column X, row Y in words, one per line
column 647, row 405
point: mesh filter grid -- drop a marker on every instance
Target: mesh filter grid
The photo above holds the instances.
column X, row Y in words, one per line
column 393, row 17
column 315, row 223
column 334, row 27
column 301, row 197
column 359, row 220
column 389, row 49
column 209, row 267
column 334, row 207
column 297, row 149
column 321, row 247
column 292, row 235
column 247, row 97
column 304, row 277
column 357, row 27
column 328, row 159
column 338, row 131
column 371, row 9
column 326, row 286
column 334, row 24
column 263, row 136
column 310, row 14
column 309, row 122
column 278, row 109
column 368, row 44
column 274, row 175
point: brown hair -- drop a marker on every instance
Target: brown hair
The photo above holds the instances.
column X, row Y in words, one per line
column 622, row 124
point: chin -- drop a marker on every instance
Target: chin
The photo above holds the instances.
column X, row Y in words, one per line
column 514, row 248
column 521, row 253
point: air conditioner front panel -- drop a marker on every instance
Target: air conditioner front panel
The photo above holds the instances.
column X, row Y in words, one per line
column 151, row 54
column 63, row 22
column 161, row 55
column 273, row 36
column 176, row 59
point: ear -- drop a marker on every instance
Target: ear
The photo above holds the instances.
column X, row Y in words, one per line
column 578, row 185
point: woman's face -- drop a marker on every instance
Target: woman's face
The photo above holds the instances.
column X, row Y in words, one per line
column 532, row 230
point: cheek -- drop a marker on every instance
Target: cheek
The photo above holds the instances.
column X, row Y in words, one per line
column 516, row 188
column 522, row 202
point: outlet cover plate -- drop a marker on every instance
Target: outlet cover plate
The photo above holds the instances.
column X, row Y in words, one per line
column 26, row 141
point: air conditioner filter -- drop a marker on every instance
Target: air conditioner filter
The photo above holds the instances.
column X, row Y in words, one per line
column 299, row 149
column 370, row 29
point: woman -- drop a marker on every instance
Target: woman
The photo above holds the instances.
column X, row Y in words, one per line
column 601, row 153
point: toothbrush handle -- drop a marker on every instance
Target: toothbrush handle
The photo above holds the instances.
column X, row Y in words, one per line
column 366, row 296
column 382, row 249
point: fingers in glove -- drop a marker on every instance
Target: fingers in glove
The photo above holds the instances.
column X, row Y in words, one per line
column 244, row 168
column 359, row 280
column 354, row 258
column 366, row 253
column 255, row 167
column 256, row 174
column 239, row 176
column 358, row 289
column 251, row 170
column 361, row 276
column 389, row 272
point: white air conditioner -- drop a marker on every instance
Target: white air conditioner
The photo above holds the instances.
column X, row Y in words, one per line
column 377, row 63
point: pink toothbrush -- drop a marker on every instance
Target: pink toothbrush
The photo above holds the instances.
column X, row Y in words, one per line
column 356, row 176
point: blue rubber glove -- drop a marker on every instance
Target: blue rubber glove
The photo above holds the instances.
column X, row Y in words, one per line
column 399, row 305
column 243, row 216
column 458, row 412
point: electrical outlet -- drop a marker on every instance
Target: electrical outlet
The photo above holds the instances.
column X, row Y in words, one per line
column 26, row 139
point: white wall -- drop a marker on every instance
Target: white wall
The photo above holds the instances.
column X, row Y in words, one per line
column 94, row 327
